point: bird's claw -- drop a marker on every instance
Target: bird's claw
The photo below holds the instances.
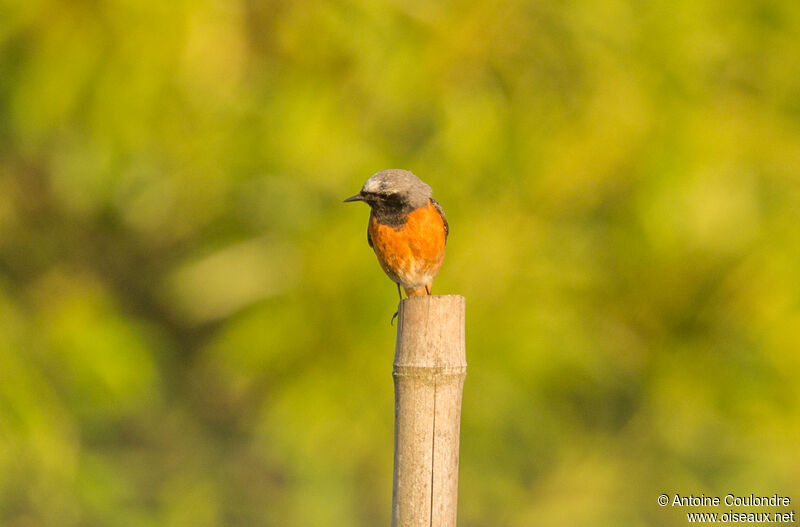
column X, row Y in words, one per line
column 391, row 322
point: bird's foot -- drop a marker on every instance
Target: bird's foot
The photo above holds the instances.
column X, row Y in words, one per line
column 391, row 322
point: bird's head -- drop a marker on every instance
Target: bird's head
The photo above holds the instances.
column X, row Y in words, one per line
column 394, row 189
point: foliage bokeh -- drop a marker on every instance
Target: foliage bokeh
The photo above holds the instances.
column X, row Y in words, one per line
column 193, row 331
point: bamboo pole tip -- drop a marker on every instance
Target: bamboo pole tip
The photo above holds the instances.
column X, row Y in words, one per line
column 430, row 330
column 442, row 301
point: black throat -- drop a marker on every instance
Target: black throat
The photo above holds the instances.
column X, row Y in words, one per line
column 391, row 214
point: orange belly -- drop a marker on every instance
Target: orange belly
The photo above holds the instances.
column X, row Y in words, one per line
column 413, row 253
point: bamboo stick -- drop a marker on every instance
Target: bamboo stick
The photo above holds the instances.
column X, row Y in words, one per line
column 429, row 370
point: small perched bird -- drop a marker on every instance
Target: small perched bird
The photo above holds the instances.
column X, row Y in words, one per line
column 407, row 229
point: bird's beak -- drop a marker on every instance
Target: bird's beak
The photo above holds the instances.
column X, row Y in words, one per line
column 357, row 197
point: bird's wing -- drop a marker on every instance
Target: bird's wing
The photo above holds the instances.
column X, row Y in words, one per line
column 444, row 218
column 369, row 224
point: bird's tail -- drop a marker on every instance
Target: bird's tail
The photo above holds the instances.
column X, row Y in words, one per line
column 419, row 290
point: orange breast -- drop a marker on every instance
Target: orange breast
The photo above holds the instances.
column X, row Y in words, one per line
column 412, row 253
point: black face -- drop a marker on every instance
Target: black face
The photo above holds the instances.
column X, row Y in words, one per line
column 383, row 200
column 388, row 208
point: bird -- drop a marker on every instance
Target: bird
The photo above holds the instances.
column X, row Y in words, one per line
column 407, row 229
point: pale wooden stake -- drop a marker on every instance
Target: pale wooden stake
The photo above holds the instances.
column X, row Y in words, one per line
column 429, row 370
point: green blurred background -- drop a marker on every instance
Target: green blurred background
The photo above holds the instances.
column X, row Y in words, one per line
column 193, row 331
